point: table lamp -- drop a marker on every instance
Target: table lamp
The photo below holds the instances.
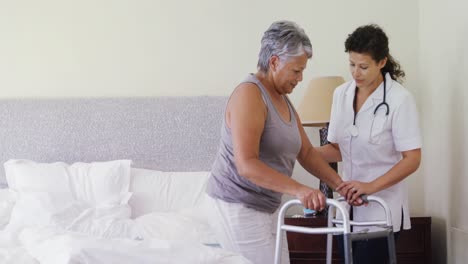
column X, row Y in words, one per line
column 314, row 111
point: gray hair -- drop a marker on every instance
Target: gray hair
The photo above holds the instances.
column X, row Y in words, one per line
column 284, row 39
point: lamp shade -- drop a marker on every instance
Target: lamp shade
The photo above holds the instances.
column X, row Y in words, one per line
column 315, row 107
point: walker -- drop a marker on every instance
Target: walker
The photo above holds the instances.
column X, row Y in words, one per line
column 345, row 229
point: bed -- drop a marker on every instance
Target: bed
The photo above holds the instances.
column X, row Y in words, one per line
column 108, row 180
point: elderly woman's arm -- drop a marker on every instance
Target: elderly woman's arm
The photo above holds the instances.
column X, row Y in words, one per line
column 330, row 152
column 246, row 113
column 313, row 162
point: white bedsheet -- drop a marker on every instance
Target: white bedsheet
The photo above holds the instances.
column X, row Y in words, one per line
column 103, row 236
column 52, row 246
column 11, row 250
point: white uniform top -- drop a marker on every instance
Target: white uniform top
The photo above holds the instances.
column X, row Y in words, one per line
column 377, row 147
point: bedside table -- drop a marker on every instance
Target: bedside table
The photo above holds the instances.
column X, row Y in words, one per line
column 412, row 247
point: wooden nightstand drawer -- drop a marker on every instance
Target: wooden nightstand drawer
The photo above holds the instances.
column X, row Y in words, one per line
column 413, row 246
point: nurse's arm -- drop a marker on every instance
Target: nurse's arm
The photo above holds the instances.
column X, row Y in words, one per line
column 330, row 152
column 312, row 161
column 246, row 113
column 405, row 167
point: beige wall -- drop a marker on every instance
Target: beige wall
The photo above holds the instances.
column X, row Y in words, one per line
column 58, row 48
column 443, row 69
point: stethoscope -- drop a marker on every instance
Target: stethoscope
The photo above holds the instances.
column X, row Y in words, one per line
column 353, row 129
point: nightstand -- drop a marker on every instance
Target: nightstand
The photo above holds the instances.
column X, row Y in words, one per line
column 413, row 246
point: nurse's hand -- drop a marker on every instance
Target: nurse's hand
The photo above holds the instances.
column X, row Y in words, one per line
column 353, row 190
column 311, row 198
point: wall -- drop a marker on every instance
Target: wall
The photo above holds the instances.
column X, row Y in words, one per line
column 57, row 48
column 443, row 31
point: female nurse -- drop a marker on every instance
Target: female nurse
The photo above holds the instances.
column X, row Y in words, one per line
column 374, row 131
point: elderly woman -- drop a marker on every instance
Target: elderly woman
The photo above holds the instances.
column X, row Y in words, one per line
column 261, row 138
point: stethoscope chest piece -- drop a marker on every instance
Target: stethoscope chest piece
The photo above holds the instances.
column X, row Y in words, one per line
column 353, row 130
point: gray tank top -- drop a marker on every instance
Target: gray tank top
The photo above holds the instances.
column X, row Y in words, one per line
column 280, row 144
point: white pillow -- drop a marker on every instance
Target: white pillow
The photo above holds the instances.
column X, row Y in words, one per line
column 26, row 175
column 101, row 183
column 157, row 191
column 96, row 183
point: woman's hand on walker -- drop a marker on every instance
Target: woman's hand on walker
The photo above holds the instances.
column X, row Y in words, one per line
column 311, row 198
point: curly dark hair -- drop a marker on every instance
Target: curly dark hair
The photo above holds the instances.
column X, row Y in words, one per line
column 372, row 40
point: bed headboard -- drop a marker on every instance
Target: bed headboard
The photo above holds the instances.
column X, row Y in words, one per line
column 165, row 133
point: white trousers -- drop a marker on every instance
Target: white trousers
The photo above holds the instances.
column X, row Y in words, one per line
column 246, row 231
